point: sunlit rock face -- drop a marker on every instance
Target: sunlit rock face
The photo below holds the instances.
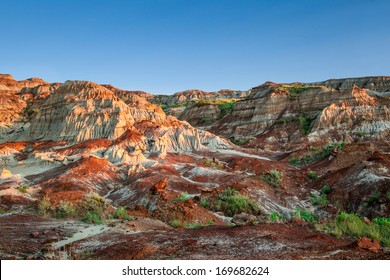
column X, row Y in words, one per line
column 195, row 94
column 82, row 111
column 329, row 109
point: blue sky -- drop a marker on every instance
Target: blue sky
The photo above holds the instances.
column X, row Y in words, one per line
column 172, row 45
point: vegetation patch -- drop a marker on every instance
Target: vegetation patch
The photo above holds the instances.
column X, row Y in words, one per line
column 189, row 225
column 372, row 199
column 353, row 225
column 319, row 200
column 239, row 142
column 183, row 197
column 230, row 202
column 195, row 225
column 121, row 213
column 322, row 199
column 305, row 215
column 318, row 155
column 276, row 217
column 175, row 223
column 312, row 175
column 92, row 209
column 65, row 209
column 273, row 178
column 226, row 108
column 23, row 187
column 305, row 123
column 293, row 90
column 213, row 163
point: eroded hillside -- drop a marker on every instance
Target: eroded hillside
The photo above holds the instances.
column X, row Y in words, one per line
column 279, row 171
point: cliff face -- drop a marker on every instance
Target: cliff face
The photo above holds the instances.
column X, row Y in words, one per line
column 379, row 84
column 16, row 98
column 194, row 94
column 80, row 111
column 343, row 109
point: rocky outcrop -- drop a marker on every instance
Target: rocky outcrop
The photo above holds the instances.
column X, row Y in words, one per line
column 194, row 94
column 80, row 113
column 379, row 84
column 319, row 108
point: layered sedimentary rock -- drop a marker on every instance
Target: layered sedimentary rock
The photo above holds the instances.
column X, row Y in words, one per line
column 380, row 84
column 194, row 94
column 320, row 107
column 81, row 111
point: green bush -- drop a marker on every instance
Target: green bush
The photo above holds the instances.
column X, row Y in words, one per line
column 355, row 226
column 274, row 178
column 239, row 142
column 226, row 108
column 183, row 197
column 325, row 190
column 305, row 215
column 323, row 153
column 320, row 200
column 92, row 218
column 276, row 217
column 95, row 208
column 372, row 199
column 230, row 202
column 381, row 220
column 44, row 207
column 188, row 225
column 312, row 175
column 216, row 164
column 175, row 223
column 121, row 213
column 204, row 202
column 305, row 123
column 23, row 187
column 65, row 209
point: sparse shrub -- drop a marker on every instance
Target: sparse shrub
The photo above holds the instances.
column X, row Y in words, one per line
column 213, row 163
column 226, row 108
column 65, row 209
column 325, row 190
column 183, row 197
column 94, row 207
column 353, row 225
column 320, row 200
column 276, row 217
column 92, row 218
column 274, row 178
column 230, row 202
column 175, row 223
column 192, row 225
column 23, row 187
column 305, row 215
column 312, row 175
column 323, row 153
column 372, row 199
column 388, row 195
column 121, row 213
column 204, row 202
column 239, row 142
column 305, row 123
column 44, row 207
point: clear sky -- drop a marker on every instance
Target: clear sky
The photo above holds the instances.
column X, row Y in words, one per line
column 164, row 46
